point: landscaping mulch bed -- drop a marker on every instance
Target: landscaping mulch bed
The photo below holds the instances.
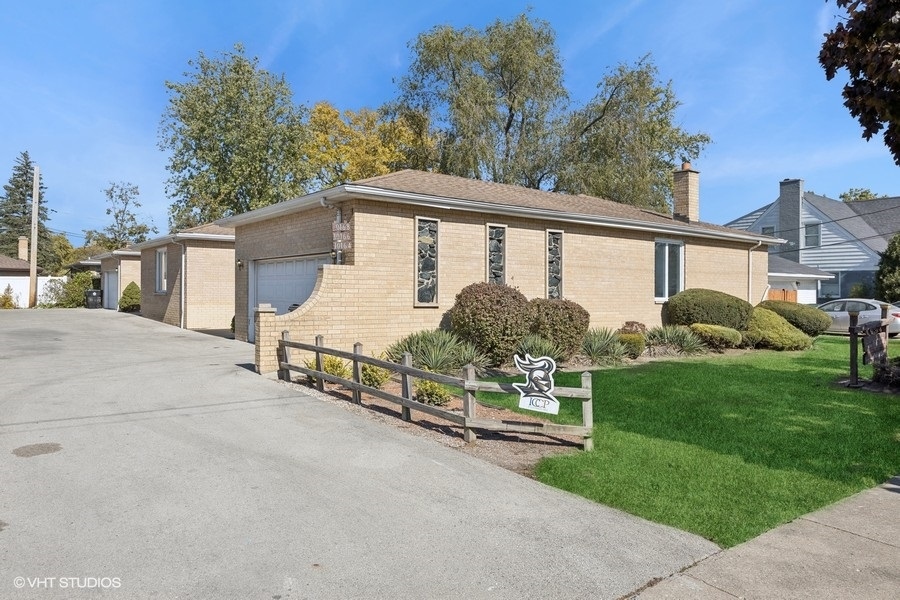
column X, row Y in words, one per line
column 518, row 452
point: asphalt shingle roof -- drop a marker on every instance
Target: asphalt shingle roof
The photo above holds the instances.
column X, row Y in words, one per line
column 13, row 264
column 449, row 186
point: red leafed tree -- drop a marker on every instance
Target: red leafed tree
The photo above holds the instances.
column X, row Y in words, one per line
column 867, row 44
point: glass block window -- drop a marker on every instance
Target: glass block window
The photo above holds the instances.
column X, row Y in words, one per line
column 426, row 261
column 496, row 254
column 554, row 264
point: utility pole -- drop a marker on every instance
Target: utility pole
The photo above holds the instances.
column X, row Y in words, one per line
column 32, row 290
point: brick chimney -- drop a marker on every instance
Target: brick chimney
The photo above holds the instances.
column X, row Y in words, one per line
column 790, row 201
column 687, row 193
column 23, row 247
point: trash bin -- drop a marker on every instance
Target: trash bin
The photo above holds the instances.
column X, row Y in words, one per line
column 93, row 298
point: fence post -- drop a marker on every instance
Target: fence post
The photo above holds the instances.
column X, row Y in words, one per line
column 854, row 350
column 320, row 383
column 469, row 406
column 406, row 384
column 587, row 411
column 284, row 374
column 357, row 378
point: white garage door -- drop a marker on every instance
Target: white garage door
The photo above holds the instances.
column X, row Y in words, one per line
column 110, row 287
column 284, row 282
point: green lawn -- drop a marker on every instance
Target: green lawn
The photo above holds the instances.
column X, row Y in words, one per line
column 729, row 447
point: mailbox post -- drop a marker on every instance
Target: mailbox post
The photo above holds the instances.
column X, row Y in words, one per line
column 854, row 350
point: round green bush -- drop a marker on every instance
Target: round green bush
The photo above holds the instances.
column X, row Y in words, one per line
column 431, row 392
column 494, row 317
column 131, row 298
column 698, row 305
column 634, row 343
column 716, row 337
column 775, row 332
column 563, row 322
column 808, row 319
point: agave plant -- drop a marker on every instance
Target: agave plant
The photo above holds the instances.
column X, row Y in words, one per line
column 602, row 345
column 536, row 346
column 437, row 351
column 674, row 339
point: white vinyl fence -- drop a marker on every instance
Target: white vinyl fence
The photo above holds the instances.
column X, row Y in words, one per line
column 20, row 287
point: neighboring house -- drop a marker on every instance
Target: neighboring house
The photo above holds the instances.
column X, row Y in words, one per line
column 117, row 269
column 375, row 260
column 842, row 238
column 187, row 278
column 789, row 280
column 15, row 273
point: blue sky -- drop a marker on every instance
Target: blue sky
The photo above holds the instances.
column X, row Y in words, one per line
column 83, row 83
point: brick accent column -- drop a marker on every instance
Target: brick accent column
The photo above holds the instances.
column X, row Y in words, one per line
column 266, row 354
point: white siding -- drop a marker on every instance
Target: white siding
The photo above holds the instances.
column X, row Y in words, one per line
column 839, row 251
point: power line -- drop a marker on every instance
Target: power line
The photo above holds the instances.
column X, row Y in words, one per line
column 841, row 243
column 855, row 216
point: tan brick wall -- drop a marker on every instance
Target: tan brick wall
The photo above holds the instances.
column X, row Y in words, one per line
column 300, row 234
column 210, row 279
column 129, row 270
column 161, row 306
column 372, row 298
column 209, row 285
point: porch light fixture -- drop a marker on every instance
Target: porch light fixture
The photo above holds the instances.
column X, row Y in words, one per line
column 240, row 264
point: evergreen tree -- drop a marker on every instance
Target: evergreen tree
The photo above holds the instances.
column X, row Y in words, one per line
column 15, row 214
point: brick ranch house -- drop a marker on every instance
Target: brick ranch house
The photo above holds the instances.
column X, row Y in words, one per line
column 187, row 278
column 118, row 268
column 377, row 259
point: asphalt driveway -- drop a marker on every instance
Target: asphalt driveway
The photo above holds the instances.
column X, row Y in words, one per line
column 138, row 460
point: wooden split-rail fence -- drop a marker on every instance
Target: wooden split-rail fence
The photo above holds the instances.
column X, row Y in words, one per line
column 468, row 420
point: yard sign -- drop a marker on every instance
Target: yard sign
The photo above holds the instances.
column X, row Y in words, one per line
column 535, row 393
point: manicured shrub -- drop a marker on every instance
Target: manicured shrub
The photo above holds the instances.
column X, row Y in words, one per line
column 633, row 327
column 494, row 317
column 699, row 305
column 431, row 392
column 602, row 346
column 331, row 365
column 374, row 376
column 6, row 298
column 438, row 351
column 131, row 298
column 67, row 294
column 538, row 346
column 716, row 337
column 673, row 339
column 563, row 322
column 775, row 332
column 634, row 344
column 808, row 319
column 751, row 339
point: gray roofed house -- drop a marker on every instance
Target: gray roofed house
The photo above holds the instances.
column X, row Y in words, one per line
column 789, row 280
column 841, row 238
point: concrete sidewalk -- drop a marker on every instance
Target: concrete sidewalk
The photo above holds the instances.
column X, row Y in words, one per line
column 848, row 550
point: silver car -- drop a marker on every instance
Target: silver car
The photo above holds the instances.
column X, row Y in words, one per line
column 869, row 310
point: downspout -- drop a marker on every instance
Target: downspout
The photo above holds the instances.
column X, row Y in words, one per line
column 750, row 272
column 181, row 295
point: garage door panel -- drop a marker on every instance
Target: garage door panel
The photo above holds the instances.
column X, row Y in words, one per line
column 285, row 282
